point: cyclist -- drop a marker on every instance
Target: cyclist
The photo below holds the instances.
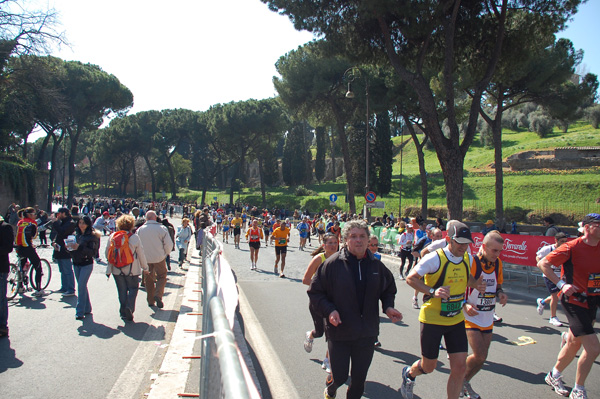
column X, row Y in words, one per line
column 26, row 232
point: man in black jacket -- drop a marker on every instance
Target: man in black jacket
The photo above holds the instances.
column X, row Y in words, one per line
column 64, row 226
column 7, row 239
column 346, row 290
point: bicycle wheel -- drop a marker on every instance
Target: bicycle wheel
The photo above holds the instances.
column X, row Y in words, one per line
column 46, row 275
column 14, row 281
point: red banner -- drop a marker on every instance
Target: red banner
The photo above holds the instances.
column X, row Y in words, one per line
column 518, row 249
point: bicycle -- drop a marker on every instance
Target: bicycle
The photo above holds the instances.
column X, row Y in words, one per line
column 19, row 277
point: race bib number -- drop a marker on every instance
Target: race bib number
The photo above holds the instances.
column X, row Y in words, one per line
column 452, row 306
column 486, row 302
column 253, row 237
column 282, row 241
column 593, row 283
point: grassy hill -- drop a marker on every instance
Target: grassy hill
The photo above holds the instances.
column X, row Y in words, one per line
column 528, row 195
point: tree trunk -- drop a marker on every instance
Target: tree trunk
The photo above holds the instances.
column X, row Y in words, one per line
column 452, row 163
column 135, row 190
column 72, row 154
column 152, row 177
column 262, row 183
column 343, row 139
column 42, row 152
column 421, row 159
column 333, row 157
column 172, row 182
column 52, row 175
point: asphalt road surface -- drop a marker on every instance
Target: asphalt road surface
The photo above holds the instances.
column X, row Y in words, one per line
column 51, row 355
column 275, row 318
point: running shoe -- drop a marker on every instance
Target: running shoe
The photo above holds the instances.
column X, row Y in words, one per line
column 468, row 392
column 415, row 303
column 377, row 344
column 282, row 275
column 497, row 318
column 326, row 395
column 563, row 339
column 407, row 384
column 540, row 306
column 275, row 270
column 42, row 293
column 555, row 322
column 578, row 394
column 556, row 384
column 308, row 342
column 326, row 365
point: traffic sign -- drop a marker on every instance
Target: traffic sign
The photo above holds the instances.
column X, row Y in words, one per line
column 333, row 198
column 375, row 204
column 370, row 196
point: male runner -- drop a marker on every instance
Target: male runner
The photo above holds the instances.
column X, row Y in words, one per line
column 281, row 235
column 237, row 229
column 580, row 289
column 446, row 275
column 479, row 309
column 560, row 238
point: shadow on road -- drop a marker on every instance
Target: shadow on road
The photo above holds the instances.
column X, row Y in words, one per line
column 28, row 302
column 91, row 328
column 138, row 331
column 8, row 356
column 376, row 390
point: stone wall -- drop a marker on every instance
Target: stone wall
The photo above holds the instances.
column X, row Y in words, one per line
column 558, row 159
column 22, row 197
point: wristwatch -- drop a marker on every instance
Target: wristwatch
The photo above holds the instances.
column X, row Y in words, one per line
column 431, row 291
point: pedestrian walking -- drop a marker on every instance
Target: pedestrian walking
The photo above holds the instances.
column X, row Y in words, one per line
column 182, row 239
column 83, row 251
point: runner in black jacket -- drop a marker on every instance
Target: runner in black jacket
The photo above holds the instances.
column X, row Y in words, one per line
column 346, row 290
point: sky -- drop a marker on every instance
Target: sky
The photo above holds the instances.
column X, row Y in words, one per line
column 196, row 53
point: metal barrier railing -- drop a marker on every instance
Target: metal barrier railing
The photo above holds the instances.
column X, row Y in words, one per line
column 221, row 373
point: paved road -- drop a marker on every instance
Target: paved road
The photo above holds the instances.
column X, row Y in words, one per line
column 51, row 355
column 275, row 317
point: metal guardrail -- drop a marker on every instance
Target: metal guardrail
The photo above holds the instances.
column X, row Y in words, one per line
column 221, row 373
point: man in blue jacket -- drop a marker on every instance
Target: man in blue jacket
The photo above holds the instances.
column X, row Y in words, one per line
column 346, row 290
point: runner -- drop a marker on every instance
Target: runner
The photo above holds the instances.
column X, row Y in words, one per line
column 304, row 231
column 580, row 289
column 237, row 229
column 254, row 234
column 329, row 247
column 219, row 220
column 226, row 226
column 479, row 309
column 445, row 276
column 320, row 226
column 560, row 238
column 281, row 235
column 266, row 225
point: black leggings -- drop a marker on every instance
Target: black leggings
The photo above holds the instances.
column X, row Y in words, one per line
column 360, row 352
column 404, row 255
column 30, row 253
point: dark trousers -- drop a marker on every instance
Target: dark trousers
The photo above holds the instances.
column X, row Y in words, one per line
column 404, row 255
column 341, row 353
column 318, row 321
column 34, row 259
column 127, row 289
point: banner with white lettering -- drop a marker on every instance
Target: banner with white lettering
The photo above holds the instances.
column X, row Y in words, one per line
column 518, row 249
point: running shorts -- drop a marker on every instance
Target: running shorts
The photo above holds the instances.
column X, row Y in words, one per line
column 581, row 320
column 281, row 250
column 254, row 244
column 237, row 231
column 455, row 338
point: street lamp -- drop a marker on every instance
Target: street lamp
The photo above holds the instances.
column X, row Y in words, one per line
column 350, row 75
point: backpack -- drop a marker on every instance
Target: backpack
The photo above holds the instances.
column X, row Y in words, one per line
column 119, row 253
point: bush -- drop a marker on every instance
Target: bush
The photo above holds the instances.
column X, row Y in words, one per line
column 485, row 136
column 315, row 205
column 592, row 115
column 302, row 191
column 560, row 219
column 515, row 213
column 540, row 124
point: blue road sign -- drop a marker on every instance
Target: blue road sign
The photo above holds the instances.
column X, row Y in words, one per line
column 333, row 198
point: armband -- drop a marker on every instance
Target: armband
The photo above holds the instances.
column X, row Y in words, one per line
column 560, row 284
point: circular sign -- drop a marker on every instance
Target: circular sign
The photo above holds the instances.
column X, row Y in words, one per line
column 370, row 196
column 333, row 198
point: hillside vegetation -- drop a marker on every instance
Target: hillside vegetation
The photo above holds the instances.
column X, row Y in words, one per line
column 528, row 195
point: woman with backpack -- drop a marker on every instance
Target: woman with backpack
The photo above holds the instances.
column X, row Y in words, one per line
column 126, row 276
column 83, row 251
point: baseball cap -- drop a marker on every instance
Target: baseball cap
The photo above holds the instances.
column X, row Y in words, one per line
column 105, row 213
column 489, row 222
column 460, row 233
column 590, row 218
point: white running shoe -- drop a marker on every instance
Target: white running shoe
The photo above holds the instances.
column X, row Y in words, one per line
column 326, row 365
column 39, row 293
column 407, row 384
column 557, row 384
column 308, row 342
column 415, row 303
column 578, row 394
column 555, row 322
column 540, row 306
column 468, row 392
